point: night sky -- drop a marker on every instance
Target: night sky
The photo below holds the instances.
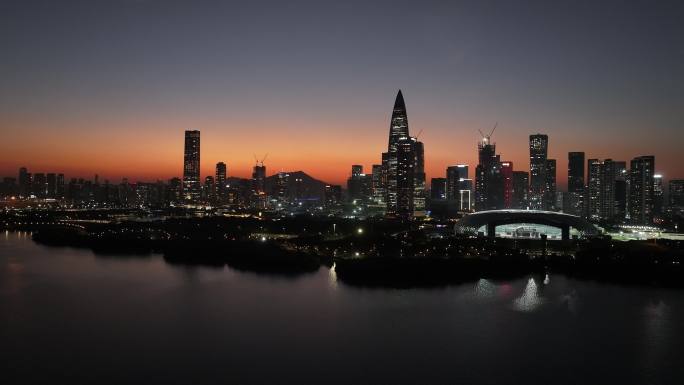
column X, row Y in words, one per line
column 108, row 87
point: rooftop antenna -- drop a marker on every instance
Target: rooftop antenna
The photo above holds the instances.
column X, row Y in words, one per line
column 419, row 132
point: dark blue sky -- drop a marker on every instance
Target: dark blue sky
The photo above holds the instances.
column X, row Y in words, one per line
column 313, row 82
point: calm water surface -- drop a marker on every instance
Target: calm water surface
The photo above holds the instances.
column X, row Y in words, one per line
column 69, row 316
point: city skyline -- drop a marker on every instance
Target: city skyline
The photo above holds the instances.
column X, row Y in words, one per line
column 341, row 192
column 396, row 187
column 319, row 102
column 209, row 170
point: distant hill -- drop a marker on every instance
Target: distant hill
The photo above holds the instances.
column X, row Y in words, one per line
column 239, row 182
column 300, row 185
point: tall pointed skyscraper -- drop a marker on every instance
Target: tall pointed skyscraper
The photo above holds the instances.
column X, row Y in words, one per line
column 399, row 123
column 398, row 130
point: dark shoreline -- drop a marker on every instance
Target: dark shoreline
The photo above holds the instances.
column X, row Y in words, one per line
column 272, row 257
column 244, row 255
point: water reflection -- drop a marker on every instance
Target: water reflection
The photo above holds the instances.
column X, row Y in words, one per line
column 139, row 313
column 657, row 328
column 530, row 299
column 332, row 276
column 484, row 289
column 571, row 301
column 14, row 272
column 11, row 269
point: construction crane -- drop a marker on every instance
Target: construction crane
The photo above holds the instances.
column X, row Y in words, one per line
column 260, row 162
column 487, row 138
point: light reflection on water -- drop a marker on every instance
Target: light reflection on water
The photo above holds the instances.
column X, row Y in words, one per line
column 488, row 290
column 332, row 276
column 484, row 289
column 657, row 330
column 62, row 303
column 571, row 301
column 530, row 299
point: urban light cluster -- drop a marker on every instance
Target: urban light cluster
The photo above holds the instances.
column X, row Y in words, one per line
column 601, row 190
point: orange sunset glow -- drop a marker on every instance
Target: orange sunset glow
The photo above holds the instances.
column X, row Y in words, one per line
column 151, row 148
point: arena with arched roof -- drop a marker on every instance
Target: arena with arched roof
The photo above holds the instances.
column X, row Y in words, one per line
column 471, row 223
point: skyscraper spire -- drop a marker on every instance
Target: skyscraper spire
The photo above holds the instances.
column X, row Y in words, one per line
column 398, row 131
column 398, row 124
column 399, row 101
column 403, row 167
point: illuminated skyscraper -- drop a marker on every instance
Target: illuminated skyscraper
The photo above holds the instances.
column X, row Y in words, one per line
column 399, row 130
column 406, row 163
column 220, row 180
column 281, row 188
column 658, row 194
column 377, row 184
column 465, row 194
column 419, row 178
column 455, row 174
column 539, row 147
column 488, row 179
column 594, row 185
column 601, row 203
column 641, row 189
column 192, row 188
column 403, row 167
column 259, row 179
column 384, row 176
column 507, row 178
column 355, row 183
column 621, row 190
column 209, row 190
column 452, row 176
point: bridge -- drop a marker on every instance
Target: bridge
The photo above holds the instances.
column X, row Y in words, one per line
column 471, row 223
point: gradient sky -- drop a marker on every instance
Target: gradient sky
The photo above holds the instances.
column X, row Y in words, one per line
column 108, row 87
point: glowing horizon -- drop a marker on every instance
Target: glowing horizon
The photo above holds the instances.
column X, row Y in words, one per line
column 313, row 84
column 154, row 157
